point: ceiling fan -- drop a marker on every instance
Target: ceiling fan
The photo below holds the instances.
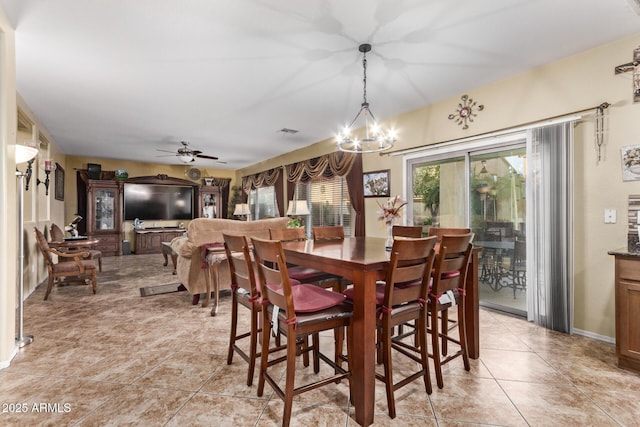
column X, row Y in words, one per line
column 187, row 155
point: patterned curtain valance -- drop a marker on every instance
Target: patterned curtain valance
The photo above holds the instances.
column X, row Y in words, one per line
column 262, row 179
column 337, row 163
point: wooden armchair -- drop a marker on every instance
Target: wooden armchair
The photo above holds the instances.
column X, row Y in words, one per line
column 57, row 235
column 71, row 265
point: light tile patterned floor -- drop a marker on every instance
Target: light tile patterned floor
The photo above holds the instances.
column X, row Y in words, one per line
column 116, row 358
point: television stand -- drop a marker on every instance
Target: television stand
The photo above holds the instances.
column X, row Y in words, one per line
column 149, row 241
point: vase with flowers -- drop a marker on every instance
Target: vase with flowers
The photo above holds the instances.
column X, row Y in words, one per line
column 389, row 212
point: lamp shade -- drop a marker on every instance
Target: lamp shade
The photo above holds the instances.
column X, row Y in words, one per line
column 298, row 207
column 24, row 153
column 241, row 209
column 186, row 157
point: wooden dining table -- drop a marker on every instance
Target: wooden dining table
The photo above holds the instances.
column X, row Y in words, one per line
column 363, row 260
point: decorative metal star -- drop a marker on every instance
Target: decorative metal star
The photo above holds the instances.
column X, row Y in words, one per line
column 466, row 111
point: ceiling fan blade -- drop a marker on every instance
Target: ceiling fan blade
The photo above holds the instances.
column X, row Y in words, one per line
column 195, row 152
column 166, row 151
column 203, row 156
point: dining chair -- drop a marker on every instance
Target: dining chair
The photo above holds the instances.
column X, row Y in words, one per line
column 449, row 278
column 402, row 298
column 298, row 272
column 71, row 265
column 297, row 312
column 327, row 232
column 413, row 231
column 57, row 235
column 245, row 291
column 441, row 231
column 516, row 269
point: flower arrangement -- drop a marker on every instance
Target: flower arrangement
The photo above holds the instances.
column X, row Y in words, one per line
column 390, row 210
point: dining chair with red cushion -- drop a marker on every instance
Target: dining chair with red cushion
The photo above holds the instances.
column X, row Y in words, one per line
column 300, row 311
column 401, row 298
column 413, row 231
column 449, row 278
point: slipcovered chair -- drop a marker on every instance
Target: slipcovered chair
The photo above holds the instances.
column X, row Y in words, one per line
column 71, row 265
column 57, row 235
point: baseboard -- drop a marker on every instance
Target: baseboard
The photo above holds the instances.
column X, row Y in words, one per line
column 5, row 363
column 610, row 340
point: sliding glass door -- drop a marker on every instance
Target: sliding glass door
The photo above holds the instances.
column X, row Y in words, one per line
column 483, row 189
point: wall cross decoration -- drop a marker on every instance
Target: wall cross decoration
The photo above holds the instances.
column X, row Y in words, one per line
column 633, row 66
column 466, row 111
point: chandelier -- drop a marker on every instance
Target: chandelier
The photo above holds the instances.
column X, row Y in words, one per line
column 375, row 139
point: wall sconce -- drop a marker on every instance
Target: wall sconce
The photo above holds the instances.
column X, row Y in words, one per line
column 26, row 153
column 242, row 210
column 47, row 171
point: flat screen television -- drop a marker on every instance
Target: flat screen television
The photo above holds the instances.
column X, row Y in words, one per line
column 157, row 202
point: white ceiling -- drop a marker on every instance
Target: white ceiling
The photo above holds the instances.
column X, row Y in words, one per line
column 120, row 79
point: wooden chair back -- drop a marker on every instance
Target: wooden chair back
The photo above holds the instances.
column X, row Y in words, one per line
column 272, row 273
column 328, row 232
column 450, row 231
column 452, row 262
column 240, row 264
column 43, row 245
column 287, row 234
column 409, row 270
column 57, row 235
column 413, row 231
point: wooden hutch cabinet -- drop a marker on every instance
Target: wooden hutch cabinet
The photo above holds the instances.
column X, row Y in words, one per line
column 104, row 215
column 627, row 297
column 210, row 202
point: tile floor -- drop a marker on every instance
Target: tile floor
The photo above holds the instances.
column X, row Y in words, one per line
column 116, row 359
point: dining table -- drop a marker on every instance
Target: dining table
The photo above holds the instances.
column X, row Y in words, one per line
column 363, row 260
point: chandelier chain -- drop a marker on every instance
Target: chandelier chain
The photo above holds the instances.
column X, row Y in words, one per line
column 364, row 80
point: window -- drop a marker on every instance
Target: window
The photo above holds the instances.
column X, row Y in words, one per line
column 329, row 203
column 262, row 203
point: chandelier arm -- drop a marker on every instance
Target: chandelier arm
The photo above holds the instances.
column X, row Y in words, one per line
column 364, row 79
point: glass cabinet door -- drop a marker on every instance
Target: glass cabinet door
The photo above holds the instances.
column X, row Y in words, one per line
column 104, row 208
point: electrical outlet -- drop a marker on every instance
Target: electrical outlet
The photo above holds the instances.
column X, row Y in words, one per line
column 609, row 216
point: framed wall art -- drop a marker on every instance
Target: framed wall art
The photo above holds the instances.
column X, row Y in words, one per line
column 59, row 184
column 376, row 183
column 631, row 163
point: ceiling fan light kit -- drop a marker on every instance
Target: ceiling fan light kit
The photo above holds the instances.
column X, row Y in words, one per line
column 375, row 138
column 187, row 155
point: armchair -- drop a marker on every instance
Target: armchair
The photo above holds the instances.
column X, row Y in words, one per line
column 71, row 265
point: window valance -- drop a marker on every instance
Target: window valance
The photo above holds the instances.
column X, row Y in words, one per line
column 337, row 163
column 262, row 179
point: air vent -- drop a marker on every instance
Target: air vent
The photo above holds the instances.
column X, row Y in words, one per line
column 288, row 131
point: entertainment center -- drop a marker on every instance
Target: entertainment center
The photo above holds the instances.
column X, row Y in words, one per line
column 108, row 202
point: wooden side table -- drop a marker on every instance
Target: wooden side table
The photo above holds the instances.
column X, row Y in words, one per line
column 215, row 256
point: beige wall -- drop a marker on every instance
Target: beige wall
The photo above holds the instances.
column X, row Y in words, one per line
column 8, row 215
column 576, row 83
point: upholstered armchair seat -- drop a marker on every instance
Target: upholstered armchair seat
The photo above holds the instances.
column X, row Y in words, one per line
column 202, row 232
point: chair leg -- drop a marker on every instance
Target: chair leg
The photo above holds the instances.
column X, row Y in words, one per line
column 234, row 325
column 388, row 368
column 266, row 334
column 445, row 331
column 315, row 339
column 100, row 264
column 463, row 337
column 289, row 376
column 253, row 346
column 421, row 333
column 435, row 343
column 49, row 287
column 94, row 281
